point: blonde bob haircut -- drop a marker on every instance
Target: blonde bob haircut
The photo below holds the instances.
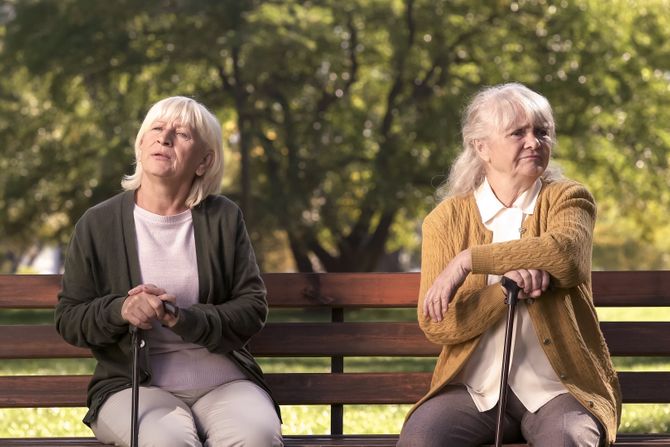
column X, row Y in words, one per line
column 496, row 109
column 207, row 131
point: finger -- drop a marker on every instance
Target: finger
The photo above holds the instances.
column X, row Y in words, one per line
column 135, row 290
column 545, row 280
column 147, row 288
column 526, row 280
column 153, row 290
column 429, row 303
column 436, row 313
column 424, row 308
column 536, row 281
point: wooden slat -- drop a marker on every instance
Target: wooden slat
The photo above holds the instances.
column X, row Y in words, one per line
column 43, row 391
column 343, row 289
column 50, row 442
column 36, row 342
column 645, row 387
column 342, row 339
column 289, row 389
column 406, row 339
column 637, row 338
column 613, row 288
column 632, row 288
column 289, row 441
column 352, row 388
column 28, row 291
column 336, row 339
column 306, row 388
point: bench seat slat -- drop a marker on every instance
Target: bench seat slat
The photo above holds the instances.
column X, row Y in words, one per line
column 335, row 339
column 306, row 388
column 624, row 440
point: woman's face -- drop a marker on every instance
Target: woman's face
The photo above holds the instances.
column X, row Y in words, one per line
column 171, row 151
column 519, row 153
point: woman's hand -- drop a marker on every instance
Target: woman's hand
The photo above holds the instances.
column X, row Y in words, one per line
column 532, row 282
column 144, row 304
column 436, row 301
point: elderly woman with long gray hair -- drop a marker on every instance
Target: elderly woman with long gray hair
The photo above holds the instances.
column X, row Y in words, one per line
column 505, row 211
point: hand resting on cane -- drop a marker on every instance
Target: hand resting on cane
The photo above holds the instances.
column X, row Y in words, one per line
column 146, row 303
column 532, row 282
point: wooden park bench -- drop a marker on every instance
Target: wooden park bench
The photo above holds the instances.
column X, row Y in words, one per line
column 336, row 296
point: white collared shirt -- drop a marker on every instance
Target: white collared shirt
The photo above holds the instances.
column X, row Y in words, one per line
column 531, row 377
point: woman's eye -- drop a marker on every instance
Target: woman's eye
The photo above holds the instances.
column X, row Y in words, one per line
column 183, row 134
column 541, row 132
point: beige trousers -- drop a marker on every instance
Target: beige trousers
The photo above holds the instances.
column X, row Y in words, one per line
column 236, row 414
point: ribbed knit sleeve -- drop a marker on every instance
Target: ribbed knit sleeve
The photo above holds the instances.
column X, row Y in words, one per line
column 449, row 229
column 559, row 239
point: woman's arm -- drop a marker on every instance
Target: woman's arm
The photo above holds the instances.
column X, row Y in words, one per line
column 229, row 325
column 474, row 307
column 83, row 316
column 563, row 249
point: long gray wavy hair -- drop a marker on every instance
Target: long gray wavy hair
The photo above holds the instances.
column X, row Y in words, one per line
column 493, row 109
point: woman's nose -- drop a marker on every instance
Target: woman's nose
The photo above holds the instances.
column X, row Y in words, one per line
column 532, row 140
column 165, row 138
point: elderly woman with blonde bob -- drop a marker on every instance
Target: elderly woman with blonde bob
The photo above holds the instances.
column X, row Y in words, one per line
column 170, row 237
column 505, row 211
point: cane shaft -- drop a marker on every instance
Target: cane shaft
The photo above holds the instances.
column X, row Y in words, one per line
column 512, row 294
column 135, row 399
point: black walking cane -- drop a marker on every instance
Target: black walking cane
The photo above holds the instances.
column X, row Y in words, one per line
column 512, row 289
column 136, row 342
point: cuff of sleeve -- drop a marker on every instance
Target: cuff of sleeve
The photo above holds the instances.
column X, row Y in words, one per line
column 185, row 324
column 482, row 260
column 115, row 311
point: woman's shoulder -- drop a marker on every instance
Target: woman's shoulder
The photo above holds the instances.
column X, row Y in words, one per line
column 218, row 203
column 109, row 208
column 565, row 187
column 450, row 211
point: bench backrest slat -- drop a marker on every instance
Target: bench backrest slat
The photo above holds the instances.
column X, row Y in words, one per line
column 341, row 339
column 356, row 290
column 304, row 388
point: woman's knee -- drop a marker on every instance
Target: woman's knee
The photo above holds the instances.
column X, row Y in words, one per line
column 238, row 414
column 410, row 436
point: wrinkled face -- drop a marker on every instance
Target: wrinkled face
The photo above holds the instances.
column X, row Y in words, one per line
column 170, row 151
column 519, row 152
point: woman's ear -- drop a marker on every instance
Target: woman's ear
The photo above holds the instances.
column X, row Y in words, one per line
column 482, row 150
column 204, row 165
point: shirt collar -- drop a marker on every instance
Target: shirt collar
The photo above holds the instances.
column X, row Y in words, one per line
column 489, row 205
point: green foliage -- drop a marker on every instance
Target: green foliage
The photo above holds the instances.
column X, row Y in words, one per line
column 342, row 116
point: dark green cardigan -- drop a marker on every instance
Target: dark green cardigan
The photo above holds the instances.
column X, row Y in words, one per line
column 102, row 266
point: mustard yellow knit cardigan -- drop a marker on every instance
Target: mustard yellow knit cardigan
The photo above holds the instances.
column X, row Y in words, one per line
column 557, row 238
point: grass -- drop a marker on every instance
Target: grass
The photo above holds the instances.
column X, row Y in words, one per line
column 302, row 419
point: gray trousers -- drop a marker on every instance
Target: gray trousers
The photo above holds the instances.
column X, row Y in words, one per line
column 451, row 419
column 236, row 414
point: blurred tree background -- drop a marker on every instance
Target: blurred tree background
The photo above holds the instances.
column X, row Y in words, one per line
column 340, row 117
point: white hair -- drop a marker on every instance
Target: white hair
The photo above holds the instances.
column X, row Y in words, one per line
column 207, row 130
column 494, row 109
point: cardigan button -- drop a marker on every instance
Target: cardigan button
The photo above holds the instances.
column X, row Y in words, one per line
column 591, row 404
column 530, row 300
column 563, row 376
column 546, row 341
